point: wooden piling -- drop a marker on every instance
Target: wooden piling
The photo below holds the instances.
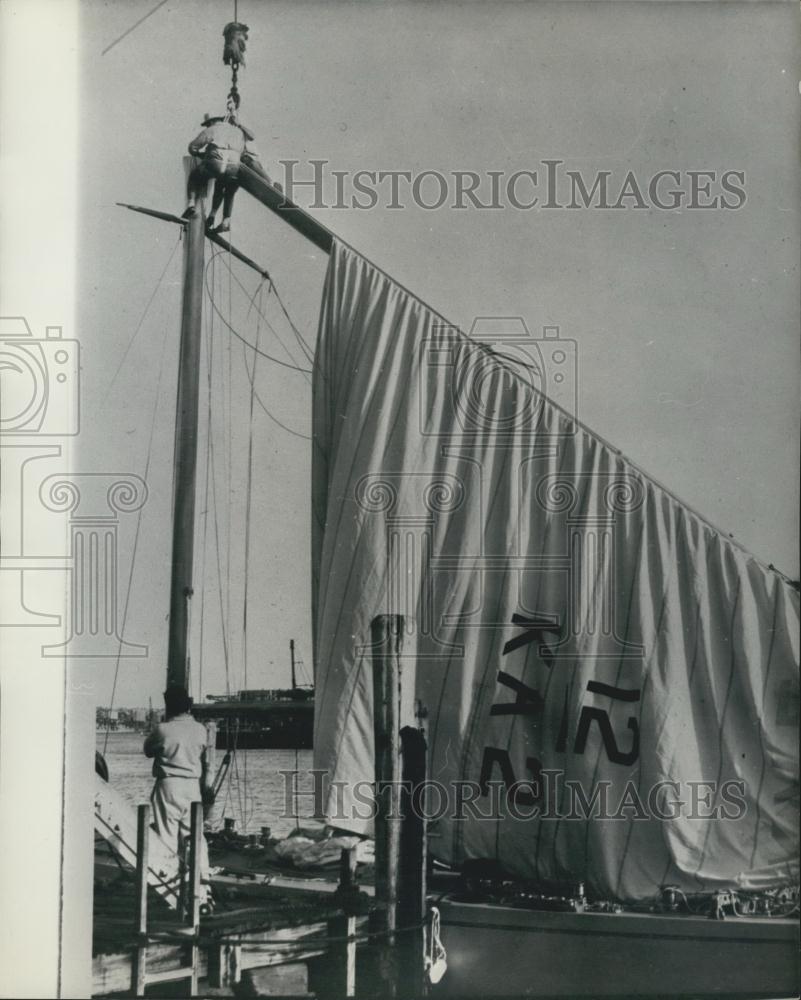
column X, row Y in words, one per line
column 224, row 965
column 413, row 864
column 386, row 632
column 140, row 925
column 211, row 748
column 347, row 867
column 193, row 909
column 341, row 979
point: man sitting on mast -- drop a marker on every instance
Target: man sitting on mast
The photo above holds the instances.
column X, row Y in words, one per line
column 220, row 144
column 178, row 749
column 250, row 158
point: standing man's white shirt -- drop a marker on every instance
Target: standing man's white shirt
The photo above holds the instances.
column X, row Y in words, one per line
column 179, row 748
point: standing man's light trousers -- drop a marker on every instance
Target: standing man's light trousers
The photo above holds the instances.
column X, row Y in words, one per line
column 172, row 800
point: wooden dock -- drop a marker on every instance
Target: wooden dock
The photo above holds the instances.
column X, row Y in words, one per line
column 229, row 943
column 140, row 942
column 145, row 938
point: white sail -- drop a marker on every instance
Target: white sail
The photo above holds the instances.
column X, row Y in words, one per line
column 566, row 615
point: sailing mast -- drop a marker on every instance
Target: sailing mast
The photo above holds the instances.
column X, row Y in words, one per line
column 292, row 662
column 185, row 461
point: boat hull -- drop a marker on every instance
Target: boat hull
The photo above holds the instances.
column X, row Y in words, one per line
column 260, row 725
column 497, row 950
column 256, row 739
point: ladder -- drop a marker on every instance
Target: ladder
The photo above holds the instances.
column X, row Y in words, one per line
column 116, row 823
column 191, row 903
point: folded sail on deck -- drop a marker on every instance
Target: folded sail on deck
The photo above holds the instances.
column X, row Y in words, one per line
column 611, row 685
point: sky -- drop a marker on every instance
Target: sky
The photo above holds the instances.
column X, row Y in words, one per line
column 686, row 321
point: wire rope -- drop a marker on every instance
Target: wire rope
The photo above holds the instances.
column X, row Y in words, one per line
column 139, row 324
column 148, row 458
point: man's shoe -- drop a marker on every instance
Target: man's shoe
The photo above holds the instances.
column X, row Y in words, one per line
column 189, row 212
column 224, row 226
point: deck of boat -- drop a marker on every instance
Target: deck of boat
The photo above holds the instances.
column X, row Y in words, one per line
column 267, row 925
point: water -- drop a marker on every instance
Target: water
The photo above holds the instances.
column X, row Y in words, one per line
column 254, row 793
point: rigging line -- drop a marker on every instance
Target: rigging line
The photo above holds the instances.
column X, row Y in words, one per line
column 188, row 603
column 230, row 748
column 248, row 508
column 228, row 392
column 295, row 803
column 204, row 550
column 235, row 769
column 302, row 665
column 204, row 547
column 222, row 565
column 133, row 27
column 267, row 322
column 253, row 296
column 305, row 371
column 284, row 364
column 229, row 507
column 227, row 777
column 307, row 351
column 305, row 347
column 275, row 420
column 219, row 572
column 139, row 324
column 239, row 789
column 136, row 540
column 211, row 476
column 217, row 537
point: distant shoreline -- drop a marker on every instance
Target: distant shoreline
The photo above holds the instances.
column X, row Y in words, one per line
column 120, row 729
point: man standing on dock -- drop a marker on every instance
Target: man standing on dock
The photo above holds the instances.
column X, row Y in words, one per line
column 178, row 749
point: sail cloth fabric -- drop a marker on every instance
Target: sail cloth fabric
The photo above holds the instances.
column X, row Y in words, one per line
column 583, row 642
